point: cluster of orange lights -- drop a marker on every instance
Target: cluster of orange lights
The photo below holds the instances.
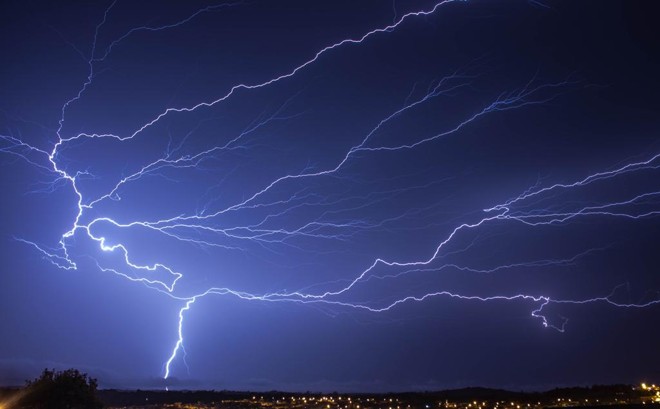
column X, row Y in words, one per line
column 652, row 388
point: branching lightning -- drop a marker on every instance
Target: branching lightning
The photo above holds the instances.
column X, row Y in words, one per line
column 536, row 208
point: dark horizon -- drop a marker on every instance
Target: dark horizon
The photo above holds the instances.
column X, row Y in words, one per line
column 597, row 396
column 358, row 196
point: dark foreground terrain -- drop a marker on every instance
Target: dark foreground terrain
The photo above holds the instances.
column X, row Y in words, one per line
column 628, row 396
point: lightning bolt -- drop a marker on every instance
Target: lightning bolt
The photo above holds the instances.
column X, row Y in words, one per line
column 537, row 207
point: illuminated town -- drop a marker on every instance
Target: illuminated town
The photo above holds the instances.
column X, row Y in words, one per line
column 614, row 396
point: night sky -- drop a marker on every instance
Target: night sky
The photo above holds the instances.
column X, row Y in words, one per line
column 339, row 195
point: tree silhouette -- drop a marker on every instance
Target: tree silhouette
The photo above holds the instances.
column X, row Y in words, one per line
column 67, row 389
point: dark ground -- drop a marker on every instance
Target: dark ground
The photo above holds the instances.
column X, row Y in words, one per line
column 469, row 398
